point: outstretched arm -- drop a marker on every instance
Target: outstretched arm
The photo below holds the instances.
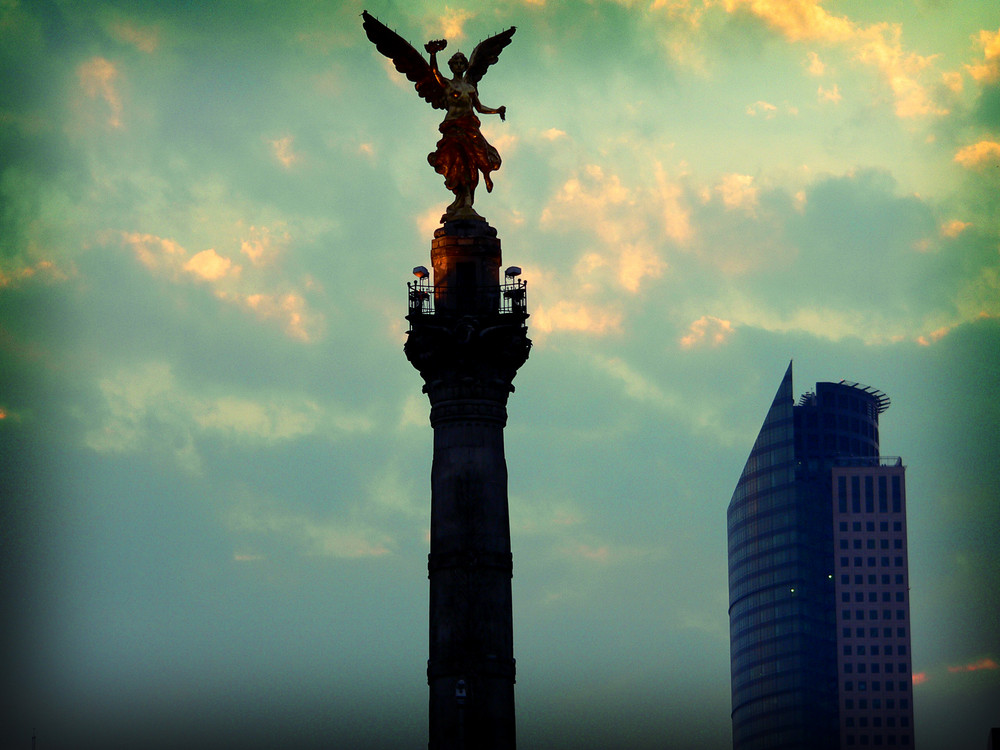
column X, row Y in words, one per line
column 502, row 111
column 434, row 46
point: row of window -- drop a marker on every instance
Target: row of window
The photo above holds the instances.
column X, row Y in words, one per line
column 859, row 596
column 876, row 704
column 860, row 562
column 859, row 579
column 876, row 667
column 886, row 650
column 873, row 632
column 876, row 686
column 859, row 614
column 870, row 526
column 869, row 543
column 876, row 721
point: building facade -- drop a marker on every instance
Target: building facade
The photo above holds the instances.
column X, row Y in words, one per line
column 818, row 587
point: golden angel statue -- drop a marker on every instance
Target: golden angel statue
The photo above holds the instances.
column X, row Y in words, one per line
column 463, row 152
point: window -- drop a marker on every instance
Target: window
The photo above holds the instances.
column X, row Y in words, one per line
column 848, row 668
column 897, row 544
column 857, row 562
column 843, row 544
column 886, row 614
column 845, row 615
column 845, row 596
column 871, row 562
column 900, row 614
column 900, row 632
column 898, row 562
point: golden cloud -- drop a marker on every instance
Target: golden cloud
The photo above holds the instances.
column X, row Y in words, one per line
column 978, row 154
column 987, row 71
column 954, row 228
column 567, row 315
column 738, row 191
column 707, row 330
column 877, row 45
column 210, row 266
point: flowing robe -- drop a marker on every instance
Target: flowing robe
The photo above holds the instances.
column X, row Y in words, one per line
column 462, row 153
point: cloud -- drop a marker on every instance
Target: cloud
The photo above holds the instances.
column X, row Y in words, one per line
column 154, row 252
column 877, row 45
column 600, row 203
column 452, row 24
column 978, row 154
column 987, row 664
column 145, row 39
column 707, row 330
column 209, row 265
column 42, row 270
column 97, row 78
column 567, row 315
column 762, row 107
column 954, row 228
column 262, row 244
column 919, row 678
column 816, row 66
column 326, row 538
column 829, row 95
column 987, row 71
column 146, row 408
column 282, row 150
column 739, row 191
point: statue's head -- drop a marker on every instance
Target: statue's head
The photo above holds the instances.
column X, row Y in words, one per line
column 458, row 63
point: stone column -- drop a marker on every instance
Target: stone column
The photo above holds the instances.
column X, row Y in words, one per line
column 468, row 351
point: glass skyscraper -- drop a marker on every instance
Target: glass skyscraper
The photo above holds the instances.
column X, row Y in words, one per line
column 818, row 590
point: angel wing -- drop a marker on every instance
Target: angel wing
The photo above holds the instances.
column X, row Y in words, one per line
column 407, row 60
column 486, row 53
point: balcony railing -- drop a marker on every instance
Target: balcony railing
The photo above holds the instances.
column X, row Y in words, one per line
column 868, row 461
column 509, row 298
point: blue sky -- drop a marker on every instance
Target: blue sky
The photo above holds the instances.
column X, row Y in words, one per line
column 215, row 457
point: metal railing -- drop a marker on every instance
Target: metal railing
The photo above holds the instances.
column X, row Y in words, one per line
column 868, row 461
column 511, row 297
